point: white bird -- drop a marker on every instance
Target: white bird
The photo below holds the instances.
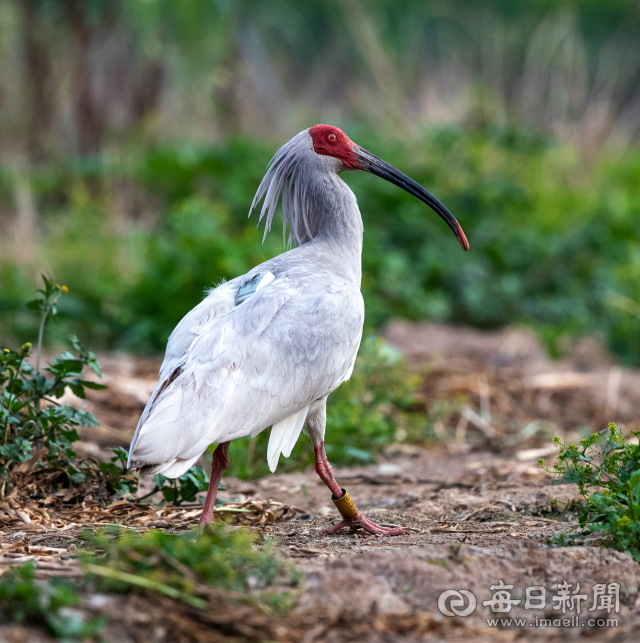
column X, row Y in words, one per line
column 267, row 348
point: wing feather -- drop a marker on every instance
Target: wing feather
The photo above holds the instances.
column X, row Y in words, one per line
column 249, row 367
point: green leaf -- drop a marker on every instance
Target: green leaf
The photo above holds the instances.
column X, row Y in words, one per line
column 92, row 385
column 36, row 304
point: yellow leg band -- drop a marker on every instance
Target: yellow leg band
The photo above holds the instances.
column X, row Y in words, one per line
column 345, row 506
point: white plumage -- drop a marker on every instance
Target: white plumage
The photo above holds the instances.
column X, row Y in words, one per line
column 232, row 371
column 267, row 348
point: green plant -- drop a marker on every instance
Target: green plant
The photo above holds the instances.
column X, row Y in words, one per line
column 554, row 241
column 34, row 423
column 44, row 604
column 186, row 567
column 606, row 469
column 117, row 473
column 182, row 489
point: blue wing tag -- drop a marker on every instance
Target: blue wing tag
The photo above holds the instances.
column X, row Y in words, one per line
column 256, row 283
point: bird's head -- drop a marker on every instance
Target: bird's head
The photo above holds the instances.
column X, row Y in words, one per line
column 332, row 141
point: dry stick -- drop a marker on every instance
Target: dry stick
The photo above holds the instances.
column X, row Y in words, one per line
column 613, row 393
column 476, row 421
column 233, row 509
column 485, row 398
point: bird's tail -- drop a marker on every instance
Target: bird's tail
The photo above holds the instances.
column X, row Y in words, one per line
column 284, row 436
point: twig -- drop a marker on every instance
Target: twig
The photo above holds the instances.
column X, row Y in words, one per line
column 476, row 421
column 485, row 397
column 233, row 509
column 461, row 430
column 414, row 529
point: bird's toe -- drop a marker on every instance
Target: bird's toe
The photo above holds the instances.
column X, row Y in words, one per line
column 361, row 522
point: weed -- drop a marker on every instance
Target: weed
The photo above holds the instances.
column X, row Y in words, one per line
column 34, row 424
column 184, row 488
column 217, row 572
column 187, row 567
column 606, row 469
column 45, row 604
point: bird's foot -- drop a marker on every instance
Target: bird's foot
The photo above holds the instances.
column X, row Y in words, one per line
column 354, row 519
column 361, row 522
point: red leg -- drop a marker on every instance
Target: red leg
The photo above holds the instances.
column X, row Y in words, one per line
column 324, row 470
column 219, row 463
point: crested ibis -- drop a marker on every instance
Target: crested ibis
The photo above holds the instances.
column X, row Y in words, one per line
column 266, row 348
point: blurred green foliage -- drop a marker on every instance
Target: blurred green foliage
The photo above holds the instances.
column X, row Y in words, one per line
column 554, row 239
column 160, row 70
column 48, row 605
column 186, row 566
column 223, row 568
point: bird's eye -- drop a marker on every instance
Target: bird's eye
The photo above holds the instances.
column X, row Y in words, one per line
column 332, row 137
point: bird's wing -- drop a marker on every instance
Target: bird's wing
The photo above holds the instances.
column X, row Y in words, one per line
column 261, row 362
column 218, row 302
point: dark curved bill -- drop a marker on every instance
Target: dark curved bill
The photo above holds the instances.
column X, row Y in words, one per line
column 371, row 163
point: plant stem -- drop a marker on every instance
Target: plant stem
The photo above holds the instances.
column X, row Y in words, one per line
column 157, row 488
column 12, row 399
column 43, row 321
column 141, row 581
column 632, row 509
column 251, row 451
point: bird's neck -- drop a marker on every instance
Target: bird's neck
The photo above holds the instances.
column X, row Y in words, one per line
column 338, row 224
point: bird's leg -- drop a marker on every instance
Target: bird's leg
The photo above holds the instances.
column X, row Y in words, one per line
column 219, row 463
column 351, row 517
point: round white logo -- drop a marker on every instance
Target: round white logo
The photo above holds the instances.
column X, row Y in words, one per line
column 453, row 602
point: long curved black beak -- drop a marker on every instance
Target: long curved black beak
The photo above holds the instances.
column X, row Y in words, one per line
column 371, row 163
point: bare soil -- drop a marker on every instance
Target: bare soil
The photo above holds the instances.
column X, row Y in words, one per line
column 478, row 511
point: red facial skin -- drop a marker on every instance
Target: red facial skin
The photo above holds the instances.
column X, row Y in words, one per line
column 331, row 141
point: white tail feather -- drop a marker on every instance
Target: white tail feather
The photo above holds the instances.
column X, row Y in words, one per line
column 284, row 436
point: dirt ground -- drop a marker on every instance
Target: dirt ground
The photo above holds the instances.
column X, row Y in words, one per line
column 478, row 511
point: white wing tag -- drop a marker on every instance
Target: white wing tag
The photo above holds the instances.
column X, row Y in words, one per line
column 256, row 283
